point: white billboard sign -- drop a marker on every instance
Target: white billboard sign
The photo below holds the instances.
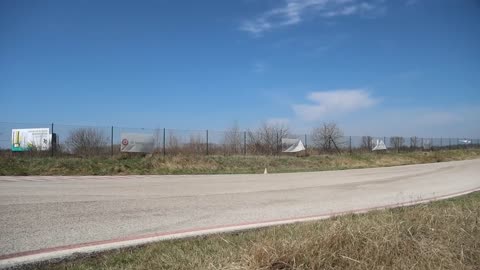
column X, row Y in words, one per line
column 31, row 139
column 137, row 143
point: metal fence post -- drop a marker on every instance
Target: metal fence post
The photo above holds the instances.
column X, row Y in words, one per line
column 111, row 142
column 207, row 142
column 52, row 146
column 164, row 138
column 350, row 145
column 306, row 143
column 276, row 152
column 244, row 143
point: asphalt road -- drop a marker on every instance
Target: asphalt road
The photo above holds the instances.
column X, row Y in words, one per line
column 38, row 212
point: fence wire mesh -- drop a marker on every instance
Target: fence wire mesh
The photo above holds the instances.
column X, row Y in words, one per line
column 76, row 140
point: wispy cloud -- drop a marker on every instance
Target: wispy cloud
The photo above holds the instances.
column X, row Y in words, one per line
column 294, row 11
column 438, row 118
column 325, row 103
column 416, row 121
column 349, row 10
column 411, row 2
column 278, row 121
column 259, row 67
column 311, row 46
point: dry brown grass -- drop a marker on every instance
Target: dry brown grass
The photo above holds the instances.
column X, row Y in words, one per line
column 215, row 164
column 439, row 235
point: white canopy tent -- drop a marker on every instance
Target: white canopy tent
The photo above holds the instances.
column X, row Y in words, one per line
column 293, row 145
column 378, row 145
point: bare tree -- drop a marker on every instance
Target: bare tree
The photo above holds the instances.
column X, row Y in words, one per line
column 267, row 138
column 196, row 145
column 367, row 142
column 414, row 142
column 233, row 140
column 86, row 141
column 158, row 139
column 397, row 142
column 172, row 143
column 327, row 137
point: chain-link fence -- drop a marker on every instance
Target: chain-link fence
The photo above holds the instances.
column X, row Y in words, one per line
column 84, row 141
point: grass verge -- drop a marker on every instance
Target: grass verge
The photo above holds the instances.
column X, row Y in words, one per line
column 438, row 235
column 157, row 164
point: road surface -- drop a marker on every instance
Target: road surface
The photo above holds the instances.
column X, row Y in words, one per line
column 39, row 213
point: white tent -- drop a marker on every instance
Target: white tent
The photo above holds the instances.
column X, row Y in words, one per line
column 378, row 145
column 294, row 145
column 427, row 144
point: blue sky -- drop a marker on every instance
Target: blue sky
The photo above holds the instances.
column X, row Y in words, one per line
column 376, row 67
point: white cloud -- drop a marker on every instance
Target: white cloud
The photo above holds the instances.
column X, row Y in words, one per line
column 326, row 103
column 293, row 12
column 349, row 10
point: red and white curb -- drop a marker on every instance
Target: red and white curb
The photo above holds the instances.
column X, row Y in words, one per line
column 27, row 257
